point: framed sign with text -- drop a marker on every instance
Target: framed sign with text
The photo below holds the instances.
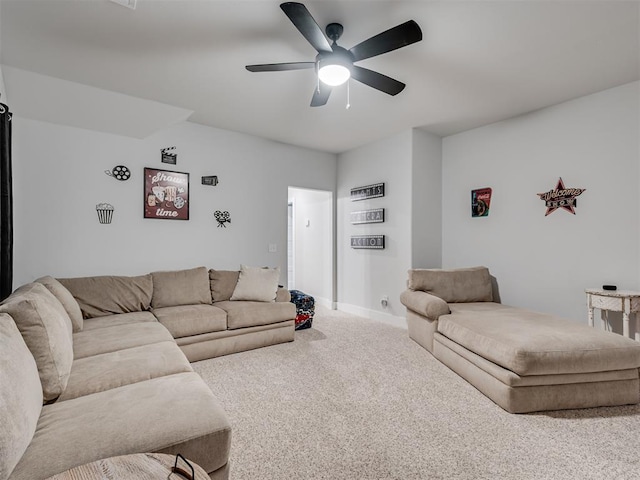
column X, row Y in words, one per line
column 370, row 242
column 375, row 215
column 368, row 191
column 166, row 194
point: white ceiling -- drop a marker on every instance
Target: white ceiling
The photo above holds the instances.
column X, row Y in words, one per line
column 479, row 61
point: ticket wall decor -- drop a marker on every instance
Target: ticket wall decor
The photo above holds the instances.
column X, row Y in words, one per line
column 166, row 194
column 368, row 191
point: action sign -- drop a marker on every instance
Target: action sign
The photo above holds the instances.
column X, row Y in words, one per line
column 368, row 241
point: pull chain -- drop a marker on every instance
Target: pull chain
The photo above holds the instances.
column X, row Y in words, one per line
column 348, row 95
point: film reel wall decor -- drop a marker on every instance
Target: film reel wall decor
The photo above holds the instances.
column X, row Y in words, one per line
column 119, row 172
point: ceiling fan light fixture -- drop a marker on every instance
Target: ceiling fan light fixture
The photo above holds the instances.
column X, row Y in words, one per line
column 333, row 74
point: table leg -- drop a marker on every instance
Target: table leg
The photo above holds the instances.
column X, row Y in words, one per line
column 590, row 314
column 637, row 315
column 625, row 324
column 604, row 319
column 625, row 317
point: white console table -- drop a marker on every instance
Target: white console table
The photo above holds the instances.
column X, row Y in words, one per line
column 607, row 301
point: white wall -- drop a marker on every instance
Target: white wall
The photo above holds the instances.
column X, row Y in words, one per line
column 59, row 178
column 426, row 209
column 364, row 276
column 545, row 263
column 3, row 90
column 313, row 233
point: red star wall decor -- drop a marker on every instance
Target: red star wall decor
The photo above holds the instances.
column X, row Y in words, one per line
column 560, row 197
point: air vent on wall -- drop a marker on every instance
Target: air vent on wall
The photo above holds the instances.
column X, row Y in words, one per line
column 126, row 3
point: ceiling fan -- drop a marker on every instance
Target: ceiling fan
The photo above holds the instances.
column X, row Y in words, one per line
column 334, row 65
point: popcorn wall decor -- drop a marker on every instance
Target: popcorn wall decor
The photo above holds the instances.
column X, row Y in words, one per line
column 105, row 212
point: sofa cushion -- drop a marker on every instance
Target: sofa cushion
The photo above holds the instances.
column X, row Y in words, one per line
column 46, row 329
column 20, row 396
column 187, row 320
column 453, row 286
column 180, row 287
column 171, row 414
column 66, row 299
column 119, row 319
column 533, row 343
column 257, row 284
column 118, row 337
column 108, row 295
column 124, row 367
column 222, row 283
column 249, row 314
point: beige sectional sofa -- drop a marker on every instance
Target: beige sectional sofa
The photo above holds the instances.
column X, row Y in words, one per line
column 99, row 366
column 522, row 360
column 194, row 305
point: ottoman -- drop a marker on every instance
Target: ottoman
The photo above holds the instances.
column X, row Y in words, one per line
column 305, row 308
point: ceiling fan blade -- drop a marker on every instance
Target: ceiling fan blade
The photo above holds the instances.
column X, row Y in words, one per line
column 387, row 41
column 280, row 67
column 304, row 22
column 377, row 80
column 320, row 95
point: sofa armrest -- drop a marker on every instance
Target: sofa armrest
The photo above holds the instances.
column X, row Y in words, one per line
column 424, row 303
column 283, row 295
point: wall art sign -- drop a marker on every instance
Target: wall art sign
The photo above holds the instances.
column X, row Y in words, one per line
column 561, row 197
column 211, row 180
column 375, row 215
column 166, row 194
column 368, row 191
column 119, row 172
column 480, row 202
column 374, row 242
column 222, row 218
column 169, row 155
column 105, row 213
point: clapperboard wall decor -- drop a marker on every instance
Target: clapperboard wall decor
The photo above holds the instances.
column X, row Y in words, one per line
column 371, row 242
column 368, row 191
column 375, row 215
column 169, row 155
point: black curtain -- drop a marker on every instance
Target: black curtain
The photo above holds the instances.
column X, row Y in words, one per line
column 6, row 205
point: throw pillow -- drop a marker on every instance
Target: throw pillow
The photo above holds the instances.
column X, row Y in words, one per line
column 46, row 329
column 66, row 299
column 257, row 284
column 223, row 282
column 20, row 396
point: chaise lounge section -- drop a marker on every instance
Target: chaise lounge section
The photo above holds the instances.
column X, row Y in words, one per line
column 522, row 360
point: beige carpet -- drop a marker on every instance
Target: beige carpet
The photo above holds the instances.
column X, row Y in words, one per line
column 356, row 399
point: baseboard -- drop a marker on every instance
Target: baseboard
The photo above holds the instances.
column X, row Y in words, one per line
column 373, row 314
column 324, row 302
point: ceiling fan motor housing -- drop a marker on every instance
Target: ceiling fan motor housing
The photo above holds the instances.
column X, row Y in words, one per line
column 339, row 56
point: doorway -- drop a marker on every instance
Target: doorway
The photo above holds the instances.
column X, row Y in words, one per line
column 310, row 244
